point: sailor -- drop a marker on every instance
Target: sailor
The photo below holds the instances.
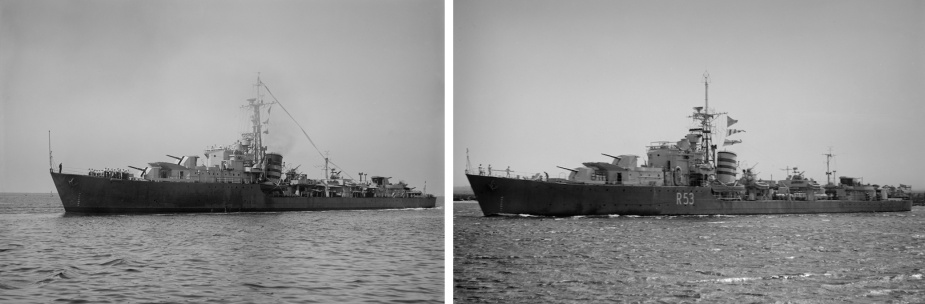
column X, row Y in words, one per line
column 481, row 172
column 508, row 171
column 489, row 169
column 59, row 167
column 547, row 175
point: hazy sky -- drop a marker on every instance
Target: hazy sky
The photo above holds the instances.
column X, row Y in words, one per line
column 123, row 83
column 540, row 84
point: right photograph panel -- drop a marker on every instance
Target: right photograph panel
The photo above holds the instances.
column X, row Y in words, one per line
column 677, row 151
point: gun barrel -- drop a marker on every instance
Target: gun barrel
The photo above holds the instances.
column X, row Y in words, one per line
column 174, row 157
column 563, row 168
column 611, row 156
column 136, row 168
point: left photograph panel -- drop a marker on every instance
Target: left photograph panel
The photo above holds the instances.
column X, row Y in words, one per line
column 248, row 151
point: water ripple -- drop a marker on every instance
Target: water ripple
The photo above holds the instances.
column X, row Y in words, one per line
column 843, row 258
column 282, row 257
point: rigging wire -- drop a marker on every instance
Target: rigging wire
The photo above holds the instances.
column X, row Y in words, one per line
column 301, row 128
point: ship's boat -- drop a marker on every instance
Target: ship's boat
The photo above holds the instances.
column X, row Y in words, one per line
column 685, row 177
column 239, row 177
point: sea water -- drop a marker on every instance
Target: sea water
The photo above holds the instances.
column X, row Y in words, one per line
column 373, row 256
column 812, row 258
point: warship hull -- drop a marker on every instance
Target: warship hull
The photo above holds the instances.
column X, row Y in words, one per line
column 498, row 195
column 87, row 194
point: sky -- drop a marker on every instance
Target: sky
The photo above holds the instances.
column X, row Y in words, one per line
column 124, row 83
column 540, row 84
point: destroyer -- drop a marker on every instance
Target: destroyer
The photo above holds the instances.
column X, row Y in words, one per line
column 687, row 177
column 241, row 177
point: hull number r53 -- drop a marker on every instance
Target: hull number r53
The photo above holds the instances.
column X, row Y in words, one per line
column 686, row 199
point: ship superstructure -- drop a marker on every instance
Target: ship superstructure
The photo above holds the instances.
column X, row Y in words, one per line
column 688, row 176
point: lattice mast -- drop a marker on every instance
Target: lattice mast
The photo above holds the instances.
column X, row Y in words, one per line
column 706, row 122
column 255, row 104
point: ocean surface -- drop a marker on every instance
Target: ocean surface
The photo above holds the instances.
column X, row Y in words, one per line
column 286, row 257
column 817, row 258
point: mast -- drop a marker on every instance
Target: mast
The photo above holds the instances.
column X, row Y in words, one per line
column 258, row 139
column 257, row 129
column 50, row 162
column 707, row 117
column 828, row 171
column 468, row 164
column 706, row 91
column 326, row 177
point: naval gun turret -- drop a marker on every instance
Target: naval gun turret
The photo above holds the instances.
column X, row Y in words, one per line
column 624, row 170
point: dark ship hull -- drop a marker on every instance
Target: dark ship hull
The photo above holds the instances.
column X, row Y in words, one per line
column 497, row 195
column 88, row 194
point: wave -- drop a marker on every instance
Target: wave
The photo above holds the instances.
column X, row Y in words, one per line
column 748, row 279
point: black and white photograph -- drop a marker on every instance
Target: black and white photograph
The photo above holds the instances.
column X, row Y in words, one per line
column 212, row 151
column 462, row 151
column 688, row 151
